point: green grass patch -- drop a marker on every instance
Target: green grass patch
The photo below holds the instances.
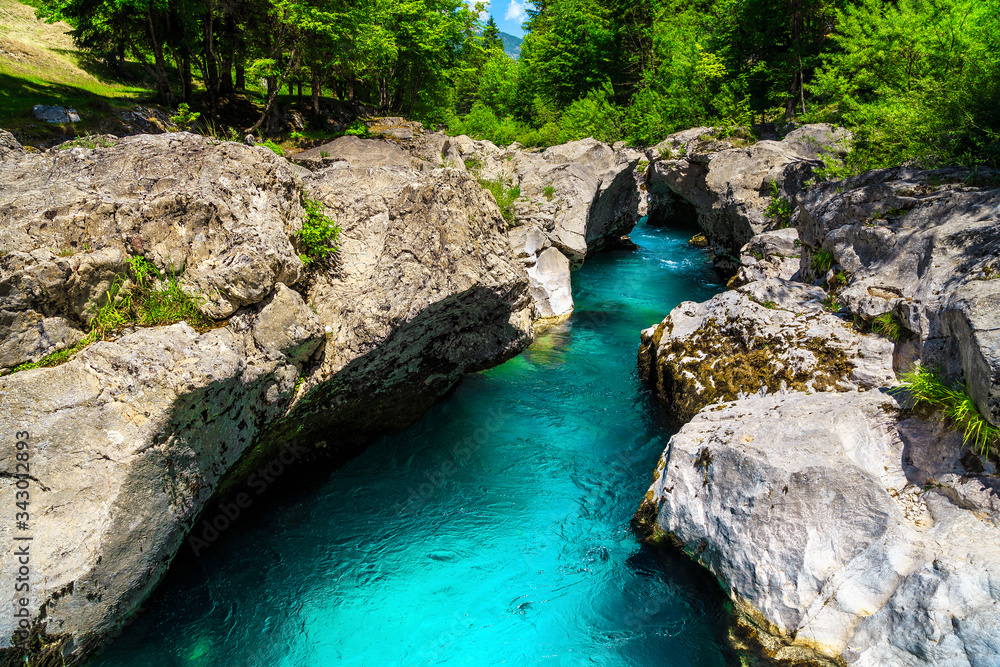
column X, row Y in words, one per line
column 822, row 262
column 87, row 141
column 549, row 192
column 147, row 298
column 924, row 386
column 57, row 358
column 505, row 195
column 319, row 233
column 888, row 326
column 278, row 150
column 140, row 297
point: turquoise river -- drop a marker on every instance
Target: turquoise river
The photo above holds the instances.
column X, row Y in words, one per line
column 493, row 531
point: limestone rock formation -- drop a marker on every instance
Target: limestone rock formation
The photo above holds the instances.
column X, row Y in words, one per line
column 847, row 530
column 844, row 534
column 727, row 187
column 766, row 337
column 924, row 246
column 133, row 436
column 351, row 151
column 575, row 197
column 773, row 254
column 71, row 218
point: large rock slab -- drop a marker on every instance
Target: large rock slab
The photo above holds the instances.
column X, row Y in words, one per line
column 127, row 442
column 131, row 438
column 843, row 534
column 924, row 246
column 730, row 188
column 351, row 151
column 425, row 289
column 766, row 337
column 219, row 214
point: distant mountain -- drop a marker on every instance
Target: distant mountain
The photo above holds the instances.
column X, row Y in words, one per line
column 511, row 44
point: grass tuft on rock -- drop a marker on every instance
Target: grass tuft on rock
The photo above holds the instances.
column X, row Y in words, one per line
column 822, row 262
column 505, row 196
column 924, row 386
column 142, row 297
column 147, row 299
column 888, row 326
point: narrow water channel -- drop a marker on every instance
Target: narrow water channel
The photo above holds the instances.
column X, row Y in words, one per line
column 494, row 531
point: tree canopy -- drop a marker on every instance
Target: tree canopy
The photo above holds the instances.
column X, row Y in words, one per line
column 917, row 80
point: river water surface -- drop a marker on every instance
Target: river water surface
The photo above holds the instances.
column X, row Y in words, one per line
column 494, row 531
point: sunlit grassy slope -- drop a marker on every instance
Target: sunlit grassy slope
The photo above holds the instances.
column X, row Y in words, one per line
column 40, row 65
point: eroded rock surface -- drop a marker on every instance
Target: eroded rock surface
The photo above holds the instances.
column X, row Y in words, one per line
column 132, row 437
column 774, row 254
column 842, row 533
column 923, row 246
column 766, row 337
column 220, row 215
column 728, row 188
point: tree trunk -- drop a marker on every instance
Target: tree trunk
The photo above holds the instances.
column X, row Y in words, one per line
column 241, row 77
column 162, row 82
column 273, row 86
column 228, row 56
column 186, row 77
column 300, row 94
column 315, row 90
column 795, row 7
column 211, row 64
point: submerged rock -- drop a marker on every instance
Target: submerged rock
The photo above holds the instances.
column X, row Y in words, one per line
column 770, row 336
column 843, row 534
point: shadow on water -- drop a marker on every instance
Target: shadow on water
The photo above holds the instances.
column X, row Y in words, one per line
column 495, row 530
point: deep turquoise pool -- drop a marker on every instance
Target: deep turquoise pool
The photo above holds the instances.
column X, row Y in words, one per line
column 494, row 531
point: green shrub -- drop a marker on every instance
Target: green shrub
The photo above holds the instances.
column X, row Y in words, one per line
column 504, row 195
column 278, row 150
column 780, row 209
column 184, row 118
column 925, row 387
column 359, row 129
column 549, row 192
column 320, row 234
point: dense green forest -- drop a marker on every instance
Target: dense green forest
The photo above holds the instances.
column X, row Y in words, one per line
column 918, row 81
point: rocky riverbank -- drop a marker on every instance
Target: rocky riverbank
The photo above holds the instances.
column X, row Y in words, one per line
column 134, row 435
column 846, row 527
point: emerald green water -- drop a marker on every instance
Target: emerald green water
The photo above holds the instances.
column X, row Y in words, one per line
column 494, row 531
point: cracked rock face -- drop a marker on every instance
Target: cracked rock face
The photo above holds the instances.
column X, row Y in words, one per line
column 132, row 437
column 773, row 254
column 575, row 197
column 766, row 337
column 923, row 246
column 842, row 533
column 128, row 440
column 730, row 188
column 219, row 214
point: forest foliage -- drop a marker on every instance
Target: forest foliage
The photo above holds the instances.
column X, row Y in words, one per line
column 917, row 81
